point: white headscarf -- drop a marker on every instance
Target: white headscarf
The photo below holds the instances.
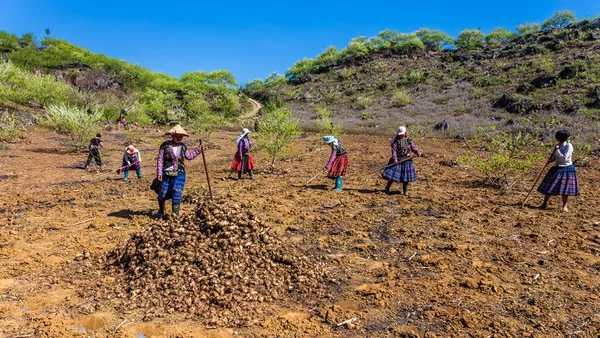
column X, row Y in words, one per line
column 245, row 132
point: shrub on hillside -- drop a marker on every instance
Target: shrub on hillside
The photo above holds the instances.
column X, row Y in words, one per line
column 8, row 42
column 410, row 44
column 528, row 28
column 79, row 124
column 499, row 36
column 275, row 80
column 20, row 86
column 304, row 66
column 401, row 98
column 258, row 84
column 11, row 127
column 328, row 57
column 277, row 129
column 560, row 19
column 357, row 47
column 363, row 101
column 434, row 39
column 470, row 39
column 326, row 125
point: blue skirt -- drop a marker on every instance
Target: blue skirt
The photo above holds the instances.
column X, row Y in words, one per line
column 560, row 181
column 403, row 172
column 172, row 188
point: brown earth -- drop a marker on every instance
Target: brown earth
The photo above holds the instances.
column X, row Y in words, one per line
column 455, row 258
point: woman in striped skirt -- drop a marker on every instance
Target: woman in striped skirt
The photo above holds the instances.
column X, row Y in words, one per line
column 338, row 161
column 398, row 170
column 561, row 179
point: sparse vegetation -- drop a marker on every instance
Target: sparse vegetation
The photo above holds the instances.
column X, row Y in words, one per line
column 277, row 129
column 560, row 19
column 401, row 98
column 11, row 127
column 326, row 125
column 470, row 39
column 78, row 124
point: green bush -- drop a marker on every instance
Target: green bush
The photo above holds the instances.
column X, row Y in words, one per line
column 499, row 36
column 434, row 40
column 508, row 156
column 8, row 42
column 73, row 121
column 357, row 47
column 470, row 39
column 20, row 86
column 364, row 101
column 528, row 28
column 561, row 19
column 228, row 104
column 277, row 129
column 258, row 84
column 410, row 44
column 304, row 66
column 401, row 98
column 329, row 56
column 275, row 80
column 11, row 127
column 325, row 123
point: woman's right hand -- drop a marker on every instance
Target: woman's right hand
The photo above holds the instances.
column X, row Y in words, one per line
column 159, row 178
column 396, row 161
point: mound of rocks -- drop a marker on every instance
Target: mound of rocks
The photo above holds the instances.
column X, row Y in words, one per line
column 219, row 263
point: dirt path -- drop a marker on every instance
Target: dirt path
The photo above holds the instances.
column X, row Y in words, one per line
column 455, row 258
column 255, row 108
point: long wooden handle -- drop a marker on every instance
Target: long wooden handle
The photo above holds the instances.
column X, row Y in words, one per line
column 538, row 178
column 206, row 171
column 317, row 175
column 391, row 165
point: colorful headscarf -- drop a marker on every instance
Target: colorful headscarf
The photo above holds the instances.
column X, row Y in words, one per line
column 330, row 139
column 245, row 132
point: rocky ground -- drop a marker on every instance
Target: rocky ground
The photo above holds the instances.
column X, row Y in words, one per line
column 455, row 258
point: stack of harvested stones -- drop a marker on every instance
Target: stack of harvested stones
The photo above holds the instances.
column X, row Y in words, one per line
column 219, row 263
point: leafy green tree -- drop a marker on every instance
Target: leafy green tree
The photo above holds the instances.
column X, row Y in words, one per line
column 387, row 38
column 275, row 80
column 277, row 130
column 560, row 19
column 470, row 39
column 8, row 42
column 499, row 36
column 256, row 84
column 434, row 40
column 358, row 46
column 528, row 28
column 304, row 66
column 328, row 57
column 410, row 43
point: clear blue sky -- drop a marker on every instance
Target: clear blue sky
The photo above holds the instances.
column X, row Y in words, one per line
column 254, row 38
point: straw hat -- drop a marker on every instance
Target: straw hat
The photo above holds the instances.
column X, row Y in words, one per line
column 177, row 130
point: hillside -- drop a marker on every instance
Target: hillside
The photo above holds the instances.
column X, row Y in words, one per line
column 35, row 76
column 535, row 82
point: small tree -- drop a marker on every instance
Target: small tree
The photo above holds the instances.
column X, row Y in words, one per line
column 508, row 156
column 275, row 80
column 329, row 56
column 470, row 39
column 358, row 46
column 304, row 66
column 256, row 84
column 277, row 129
column 434, row 40
column 560, row 19
column 528, row 28
column 499, row 36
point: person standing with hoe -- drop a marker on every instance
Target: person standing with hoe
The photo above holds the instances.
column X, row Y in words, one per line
column 170, row 169
column 338, row 162
column 399, row 170
column 242, row 161
column 94, row 151
column 561, row 179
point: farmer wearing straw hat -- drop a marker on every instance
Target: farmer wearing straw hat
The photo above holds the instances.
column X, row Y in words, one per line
column 405, row 171
column 131, row 159
column 170, row 168
column 338, row 161
column 242, row 161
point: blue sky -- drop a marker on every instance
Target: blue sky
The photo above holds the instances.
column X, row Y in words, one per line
column 254, row 38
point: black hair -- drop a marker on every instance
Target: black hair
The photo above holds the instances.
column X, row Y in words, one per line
column 98, row 135
column 562, row 135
